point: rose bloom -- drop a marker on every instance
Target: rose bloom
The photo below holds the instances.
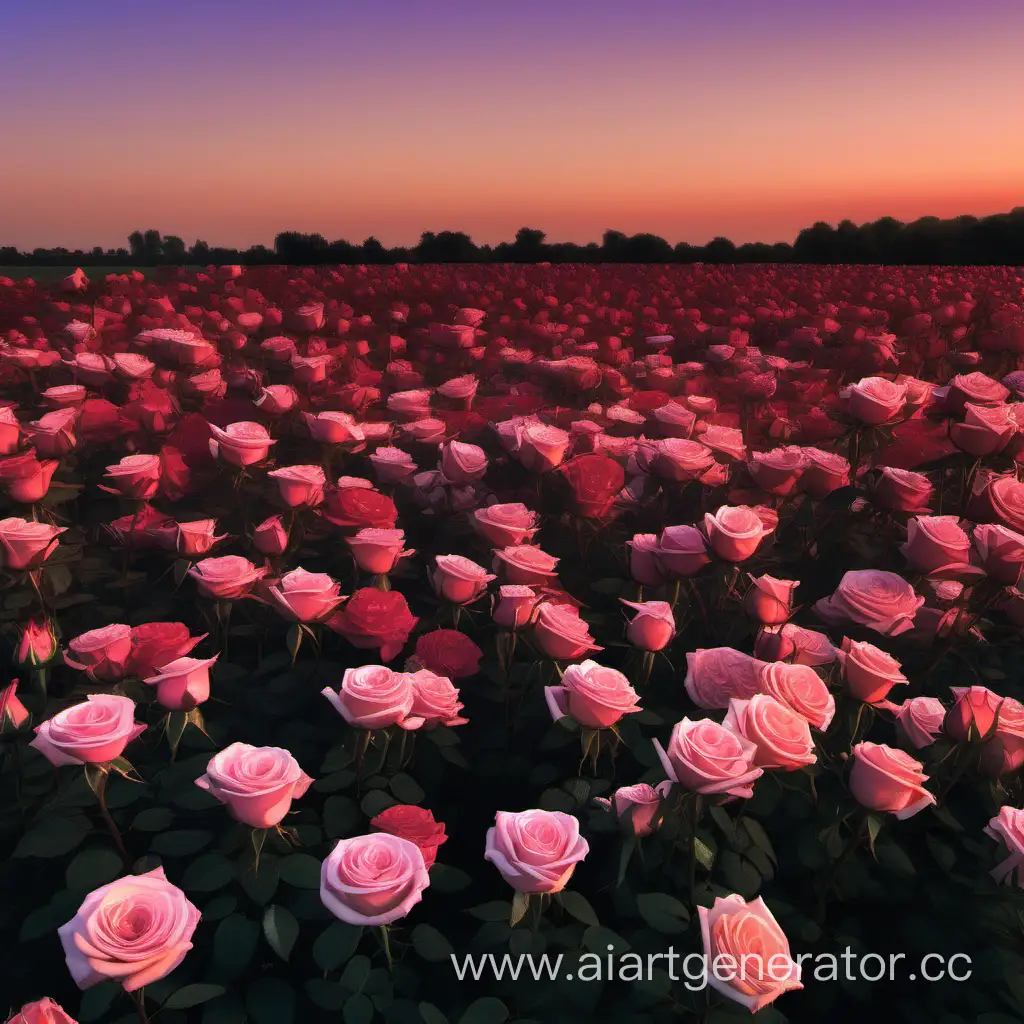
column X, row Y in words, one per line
column 901, row 490
column 535, row 851
column 778, row 471
column 747, row 953
column 26, row 544
column 735, row 533
column 782, row 737
column 1007, row 827
column 256, row 784
column 333, row 427
column 595, row 696
column 458, row 580
column 935, row 543
column 515, row 606
column 154, row 644
column 101, row 653
column 1001, row 552
column 1006, row 497
column 356, row 508
column 375, row 619
column 974, row 713
column 12, row 712
column 976, row 388
column 43, row 1011
column 886, row 779
column 984, row 431
column 93, row 732
column 415, row 824
column 448, row 653
column 300, row 486
column 794, row 644
column 277, row 399
column 196, row 538
column 525, row 564
column 183, row 684
column 240, row 444
column 373, row 879
column 53, row 434
column 878, row 600
column 542, row 447
column 636, row 807
column 715, row 675
column 802, row 690
column 644, row 565
column 705, row 757
column 374, row 697
column 653, row 626
column 378, row 551
column 435, row 699
column 25, row 478
column 392, row 465
column 678, row 459
column 270, row 537
column 37, row 645
column 561, row 634
column 506, row 525
column 681, row 551
column 869, row 673
column 770, row 601
column 227, row 578
column 874, row 400
column 1003, row 753
column 824, row 472
column 10, row 430
column 302, row 596
column 462, row 463
column 135, row 931
column 596, row 481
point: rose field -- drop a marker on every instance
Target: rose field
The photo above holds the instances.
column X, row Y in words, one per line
column 362, row 619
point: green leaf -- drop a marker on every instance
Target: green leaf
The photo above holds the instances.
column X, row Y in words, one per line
column 431, row 1014
column 358, row 1010
column 597, row 940
column 301, row 870
column 375, row 801
column 53, row 837
column 759, row 838
column 431, row 944
column 336, row 944
column 154, row 819
column 182, row 843
column 894, row 859
column 496, row 910
column 444, row 878
column 664, row 913
column 208, row 873
column 357, row 970
column 520, row 904
column 281, row 930
column 92, row 868
column 193, row 995
column 340, row 816
column 406, row 789
column 875, row 823
column 488, row 1010
column 577, row 906
column 261, row 884
column 704, row 854
column 724, row 822
column 97, row 1000
column 234, row 943
column 328, row 995
column 270, row 1001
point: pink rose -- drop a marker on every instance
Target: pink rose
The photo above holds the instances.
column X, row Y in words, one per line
column 226, row 578
column 392, row 465
column 653, row 626
column 874, row 400
column 747, row 953
column 595, row 696
column 300, row 486
column 735, row 533
column 715, row 675
column 1001, row 552
column 277, row 399
column 794, row 644
column 984, row 431
column 782, row 737
column 644, row 564
column 705, row 757
column 542, row 447
column 1007, row 827
column 374, row 697
column 158, row 643
column 515, row 607
column 462, row 463
column 135, row 931
column 256, row 784
column 504, row 526
column 302, row 596
column 1003, row 753
column 535, row 851
column 526, row 564
column 458, row 580
column 26, row 544
column 561, row 634
column 675, row 458
column 919, row 720
column 37, row 645
column 974, row 713
column 802, row 690
column 270, row 537
column 873, row 598
column 824, row 472
column 373, row 879
column 770, row 600
column 378, row 551
column 53, row 434
column 936, row 544
column 681, row 551
column 101, row 653
column 93, row 732
column 25, row 478
column 637, row 807
column 240, row 444
column 901, row 490
column 886, row 779
column 196, row 538
column 778, row 471
column 869, row 673
column 435, row 699
column 12, row 712
column 183, row 684
column 333, row 428
column 43, row 1011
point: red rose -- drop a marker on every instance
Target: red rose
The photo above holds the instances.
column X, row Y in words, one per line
column 375, row 618
column 359, row 508
column 155, row 644
column 596, row 481
column 416, row 824
column 449, row 653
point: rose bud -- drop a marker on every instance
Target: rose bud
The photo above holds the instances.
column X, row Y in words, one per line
column 240, row 444
column 378, row 551
column 43, row 1011
column 869, row 673
column 26, row 545
column 415, row 824
column 135, row 476
column 919, row 720
column 637, row 807
column 196, row 538
column 38, row 644
column 302, row 596
column 595, row 696
column 770, row 600
column 93, row 732
column 974, row 713
column 373, row 879
column 782, row 737
column 13, row 714
column 536, row 851
column 1007, row 827
column 25, row 478
column 681, row 551
column 101, row 653
column 735, row 533
column 515, row 607
column 747, row 951
column 561, row 634
column 457, row 579
column 644, row 564
column 705, row 757
column 300, row 486
column 227, row 578
column 256, row 784
column 270, row 538
column 333, row 428
column 886, row 779
column 134, row 931
column 374, row 697
column 462, row 463
column 653, row 626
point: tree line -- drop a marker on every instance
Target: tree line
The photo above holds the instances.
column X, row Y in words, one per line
column 965, row 240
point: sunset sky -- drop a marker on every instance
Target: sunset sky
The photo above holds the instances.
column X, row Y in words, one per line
column 231, row 120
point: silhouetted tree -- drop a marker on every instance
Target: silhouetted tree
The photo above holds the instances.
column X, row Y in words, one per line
column 174, row 249
column 446, row 247
column 720, row 250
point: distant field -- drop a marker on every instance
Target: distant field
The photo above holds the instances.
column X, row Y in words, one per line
column 45, row 275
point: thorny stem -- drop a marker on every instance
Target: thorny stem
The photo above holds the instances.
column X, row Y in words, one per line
column 101, row 797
